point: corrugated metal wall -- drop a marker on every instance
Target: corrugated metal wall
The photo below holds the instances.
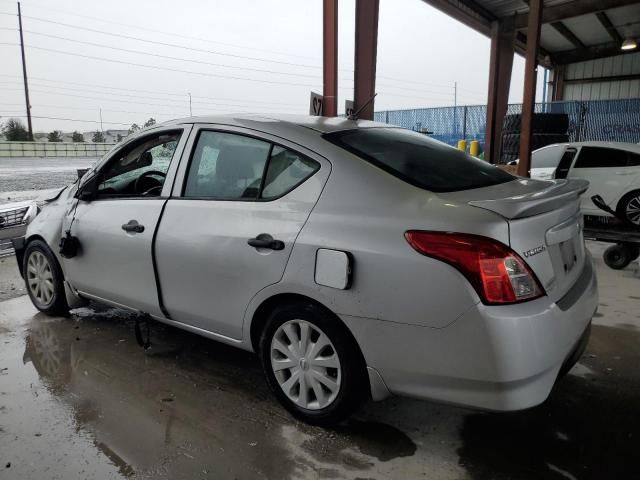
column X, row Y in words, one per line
column 605, row 67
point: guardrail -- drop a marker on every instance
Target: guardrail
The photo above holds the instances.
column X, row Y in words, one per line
column 53, row 149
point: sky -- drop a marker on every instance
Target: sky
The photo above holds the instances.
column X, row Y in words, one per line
column 132, row 60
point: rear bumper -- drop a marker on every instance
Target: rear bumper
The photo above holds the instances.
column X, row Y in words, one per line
column 496, row 358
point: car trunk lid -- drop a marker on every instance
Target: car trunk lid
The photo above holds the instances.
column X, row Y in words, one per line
column 545, row 225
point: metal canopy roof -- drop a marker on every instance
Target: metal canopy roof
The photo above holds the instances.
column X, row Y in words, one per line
column 572, row 30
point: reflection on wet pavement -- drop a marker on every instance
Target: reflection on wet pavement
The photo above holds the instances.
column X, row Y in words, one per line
column 79, row 399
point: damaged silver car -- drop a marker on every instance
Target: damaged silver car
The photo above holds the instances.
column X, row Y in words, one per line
column 358, row 260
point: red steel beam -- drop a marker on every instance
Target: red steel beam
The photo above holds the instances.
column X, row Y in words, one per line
column 501, row 62
column 330, row 57
column 530, row 75
column 366, row 46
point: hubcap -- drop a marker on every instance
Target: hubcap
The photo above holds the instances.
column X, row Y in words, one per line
column 40, row 278
column 633, row 210
column 305, row 364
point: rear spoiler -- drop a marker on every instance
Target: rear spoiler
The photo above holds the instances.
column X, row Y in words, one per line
column 557, row 194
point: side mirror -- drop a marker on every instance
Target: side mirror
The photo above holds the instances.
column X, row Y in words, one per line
column 87, row 192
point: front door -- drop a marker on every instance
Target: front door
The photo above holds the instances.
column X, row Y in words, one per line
column 116, row 226
column 232, row 229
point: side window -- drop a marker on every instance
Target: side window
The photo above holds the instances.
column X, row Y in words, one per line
column 599, row 157
column 139, row 169
column 286, row 170
column 226, row 166
column 546, row 157
column 229, row 166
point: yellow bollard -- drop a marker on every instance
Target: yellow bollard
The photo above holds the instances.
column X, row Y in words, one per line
column 462, row 145
column 474, row 148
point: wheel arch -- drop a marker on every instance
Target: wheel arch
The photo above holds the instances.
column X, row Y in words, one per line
column 261, row 314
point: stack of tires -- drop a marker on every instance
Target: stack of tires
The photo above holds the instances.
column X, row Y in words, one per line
column 548, row 128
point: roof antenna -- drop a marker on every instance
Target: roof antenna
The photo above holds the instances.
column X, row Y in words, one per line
column 354, row 115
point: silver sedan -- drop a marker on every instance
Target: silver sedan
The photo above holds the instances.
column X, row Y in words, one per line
column 357, row 259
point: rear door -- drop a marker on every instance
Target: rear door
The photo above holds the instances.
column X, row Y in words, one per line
column 608, row 172
column 229, row 229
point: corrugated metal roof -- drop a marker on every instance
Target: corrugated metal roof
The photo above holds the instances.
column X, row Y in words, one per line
column 587, row 28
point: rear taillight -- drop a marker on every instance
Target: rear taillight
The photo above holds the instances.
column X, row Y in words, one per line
column 496, row 272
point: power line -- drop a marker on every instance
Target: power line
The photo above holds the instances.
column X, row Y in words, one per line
column 188, row 37
column 155, row 67
column 182, row 95
column 71, row 120
column 165, row 44
column 168, row 57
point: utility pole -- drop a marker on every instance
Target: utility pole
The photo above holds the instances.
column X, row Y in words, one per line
column 455, row 94
column 101, row 129
column 24, row 74
column 190, row 111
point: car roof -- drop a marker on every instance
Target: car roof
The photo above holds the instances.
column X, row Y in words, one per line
column 268, row 122
column 632, row 147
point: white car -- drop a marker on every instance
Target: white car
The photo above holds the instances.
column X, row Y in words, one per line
column 612, row 169
column 14, row 218
column 357, row 259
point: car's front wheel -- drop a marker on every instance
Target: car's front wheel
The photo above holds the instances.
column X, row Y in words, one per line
column 44, row 279
column 313, row 364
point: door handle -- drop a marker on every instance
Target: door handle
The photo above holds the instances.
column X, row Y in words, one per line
column 133, row 226
column 264, row 240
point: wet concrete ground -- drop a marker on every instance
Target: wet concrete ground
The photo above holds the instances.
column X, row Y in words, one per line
column 79, row 399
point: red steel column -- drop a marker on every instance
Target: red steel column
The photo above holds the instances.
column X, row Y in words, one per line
column 330, row 57
column 500, row 63
column 530, row 75
column 364, row 80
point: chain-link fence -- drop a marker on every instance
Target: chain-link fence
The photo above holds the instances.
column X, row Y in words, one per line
column 53, row 149
column 606, row 120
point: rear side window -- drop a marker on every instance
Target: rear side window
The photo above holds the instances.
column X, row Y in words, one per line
column 600, row 157
column 286, row 170
column 419, row 160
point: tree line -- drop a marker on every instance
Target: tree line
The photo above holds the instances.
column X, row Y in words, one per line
column 15, row 131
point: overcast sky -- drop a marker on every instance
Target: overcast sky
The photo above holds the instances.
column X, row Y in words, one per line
column 240, row 56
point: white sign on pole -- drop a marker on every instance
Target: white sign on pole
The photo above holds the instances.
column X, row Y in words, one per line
column 348, row 108
column 315, row 104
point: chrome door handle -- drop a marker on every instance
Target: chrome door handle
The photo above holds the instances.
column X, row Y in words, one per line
column 133, row 227
column 264, row 240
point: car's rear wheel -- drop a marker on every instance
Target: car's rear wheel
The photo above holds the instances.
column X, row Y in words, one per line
column 629, row 207
column 312, row 363
column 44, row 279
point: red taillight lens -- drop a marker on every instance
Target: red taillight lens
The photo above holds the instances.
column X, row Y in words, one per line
column 497, row 273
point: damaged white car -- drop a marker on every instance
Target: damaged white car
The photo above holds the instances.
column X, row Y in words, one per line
column 357, row 259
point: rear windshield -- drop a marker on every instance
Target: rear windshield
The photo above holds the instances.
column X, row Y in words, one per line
column 419, row 160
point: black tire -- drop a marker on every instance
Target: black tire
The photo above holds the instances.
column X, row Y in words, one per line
column 632, row 198
column 635, row 252
column 354, row 385
column 542, row 123
column 618, row 256
column 57, row 305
